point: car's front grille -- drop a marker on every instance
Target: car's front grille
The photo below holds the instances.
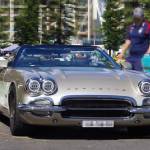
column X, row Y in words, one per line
column 96, row 107
column 91, row 103
column 95, row 113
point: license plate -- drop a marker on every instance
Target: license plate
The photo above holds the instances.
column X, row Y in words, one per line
column 98, row 124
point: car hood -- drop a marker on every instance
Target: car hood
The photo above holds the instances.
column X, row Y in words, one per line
column 89, row 80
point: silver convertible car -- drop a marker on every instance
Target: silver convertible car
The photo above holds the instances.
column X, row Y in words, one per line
column 71, row 86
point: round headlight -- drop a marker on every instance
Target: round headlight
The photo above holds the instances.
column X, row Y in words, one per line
column 49, row 86
column 34, row 86
column 145, row 87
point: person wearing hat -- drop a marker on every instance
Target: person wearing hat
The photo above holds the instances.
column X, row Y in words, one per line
column 137, row 40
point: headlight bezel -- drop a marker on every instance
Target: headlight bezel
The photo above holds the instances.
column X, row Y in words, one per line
column 30, row 90
column 41, row 83
column 143, row 86
column 54, row 87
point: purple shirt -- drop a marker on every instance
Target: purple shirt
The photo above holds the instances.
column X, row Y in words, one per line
column 140, row 39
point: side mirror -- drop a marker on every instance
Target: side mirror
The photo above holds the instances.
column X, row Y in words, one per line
column 3, row 62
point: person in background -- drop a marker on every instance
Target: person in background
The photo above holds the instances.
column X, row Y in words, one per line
column 137, row 40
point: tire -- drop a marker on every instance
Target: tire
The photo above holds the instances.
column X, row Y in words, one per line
column 16, row 126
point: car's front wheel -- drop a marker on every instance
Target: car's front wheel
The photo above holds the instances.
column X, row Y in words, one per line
column 16, row 126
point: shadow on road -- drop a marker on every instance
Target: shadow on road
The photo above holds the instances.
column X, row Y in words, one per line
column 68, row 133
column 76, row 133
column 80, row 133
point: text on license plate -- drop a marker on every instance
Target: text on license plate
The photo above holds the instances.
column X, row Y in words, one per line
column 98, row 123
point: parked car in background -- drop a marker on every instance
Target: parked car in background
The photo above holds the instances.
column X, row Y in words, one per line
column 71, row 86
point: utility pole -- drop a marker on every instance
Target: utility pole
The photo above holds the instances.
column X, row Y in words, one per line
column 11, row 28
column 89, row 20
column 94, row 8
column 41, row 22
column 98, row 10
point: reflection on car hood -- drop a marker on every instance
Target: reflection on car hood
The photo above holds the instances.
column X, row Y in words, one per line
column 74, row 73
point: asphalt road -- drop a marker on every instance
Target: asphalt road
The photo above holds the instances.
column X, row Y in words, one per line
column 44, row 138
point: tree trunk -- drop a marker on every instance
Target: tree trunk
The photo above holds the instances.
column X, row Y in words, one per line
column 109, row 52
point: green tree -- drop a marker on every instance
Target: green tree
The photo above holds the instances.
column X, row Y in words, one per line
column 112, row 26
column 27, row 23
column 61, row 14
column 2, row 21
column 145, row 4
column 130, row 5
column 3, row 25
column 128, row 11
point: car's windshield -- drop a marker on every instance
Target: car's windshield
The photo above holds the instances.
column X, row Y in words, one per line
column 66, row 57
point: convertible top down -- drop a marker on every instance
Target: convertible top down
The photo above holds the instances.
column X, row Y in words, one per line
column 56, row 85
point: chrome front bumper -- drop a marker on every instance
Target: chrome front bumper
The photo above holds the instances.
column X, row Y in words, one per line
column 51, row 116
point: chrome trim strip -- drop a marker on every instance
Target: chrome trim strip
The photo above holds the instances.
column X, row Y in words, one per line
column 82, row 109
column 140, row 110
column 31, row 108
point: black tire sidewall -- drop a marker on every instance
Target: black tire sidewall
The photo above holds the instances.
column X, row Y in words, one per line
column 15, row 123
